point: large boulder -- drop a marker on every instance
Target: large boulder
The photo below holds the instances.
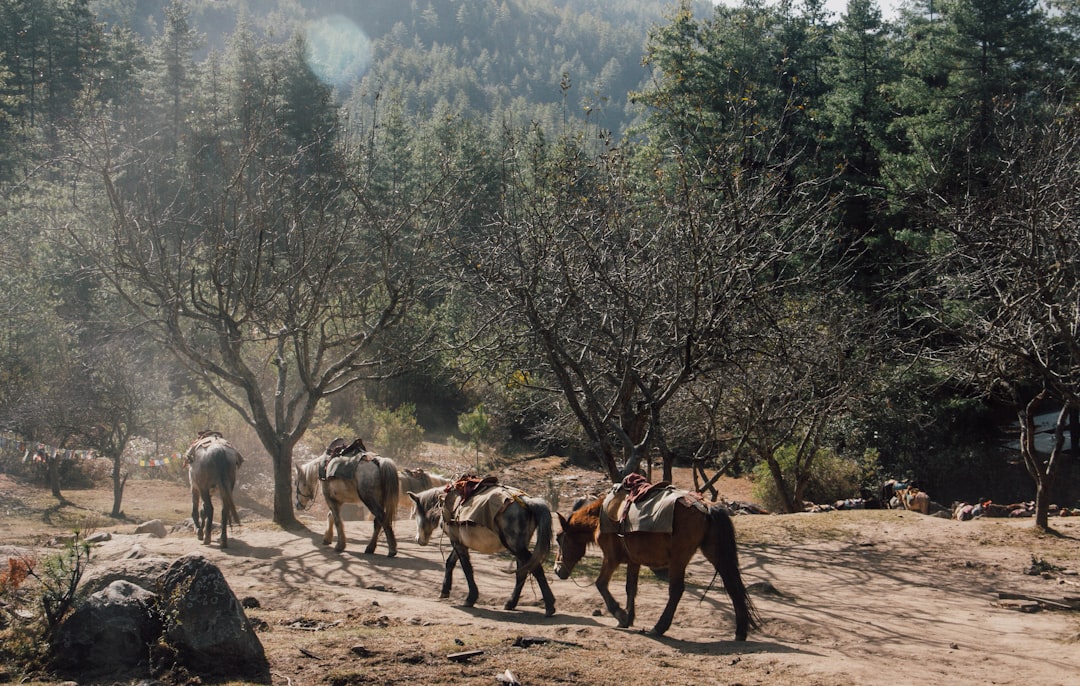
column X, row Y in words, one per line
column 109, row 634
column 139, row 569
column 205, row 629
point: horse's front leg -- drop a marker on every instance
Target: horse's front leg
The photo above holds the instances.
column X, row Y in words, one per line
column 339, row 525
column 467, row 570
column 448, row 576
column 607, row 569
column 328, row 535
column 676, row 586
column 633, row 571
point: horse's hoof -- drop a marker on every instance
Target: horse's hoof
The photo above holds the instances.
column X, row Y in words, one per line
column 549, row 612
column 444, row 596
column 392, row 553
column 339, row 549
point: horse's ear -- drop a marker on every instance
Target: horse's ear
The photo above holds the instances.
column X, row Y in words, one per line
column 414, row 496
column 562, row 521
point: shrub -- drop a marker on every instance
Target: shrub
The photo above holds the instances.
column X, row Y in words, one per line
column 832, row 478
column 397, row 433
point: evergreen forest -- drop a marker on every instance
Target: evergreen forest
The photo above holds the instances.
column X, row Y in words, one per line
column 822, row 249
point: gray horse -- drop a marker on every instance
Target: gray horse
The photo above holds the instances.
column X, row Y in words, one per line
column 506, row 521
column 212, row 465
column 350, row 474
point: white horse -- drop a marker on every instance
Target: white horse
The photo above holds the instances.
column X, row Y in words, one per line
column 417, row 480
column 356, row 476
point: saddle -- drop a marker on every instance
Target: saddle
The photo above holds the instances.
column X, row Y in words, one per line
column 468, row 485
column 340, row 459
column 486, row 502
column 637, row 505
column 203, row 439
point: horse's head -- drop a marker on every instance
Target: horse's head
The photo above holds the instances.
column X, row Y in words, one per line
column 427, row 509
column 571, row 541
column 305, row 489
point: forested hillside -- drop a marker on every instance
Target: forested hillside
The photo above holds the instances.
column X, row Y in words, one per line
column 824, row 250
column 541, row 59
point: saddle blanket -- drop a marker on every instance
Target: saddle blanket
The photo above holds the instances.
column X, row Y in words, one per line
column 653, row 512
column 343, row 467
column 482, row 508
column 205, row 440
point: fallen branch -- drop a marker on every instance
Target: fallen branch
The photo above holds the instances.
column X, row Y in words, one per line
column 1063, row 604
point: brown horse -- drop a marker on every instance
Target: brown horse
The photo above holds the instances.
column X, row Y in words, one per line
column 212, row 465
column 712, row 532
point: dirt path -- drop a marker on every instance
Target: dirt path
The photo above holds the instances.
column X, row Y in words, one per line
column 846, row 598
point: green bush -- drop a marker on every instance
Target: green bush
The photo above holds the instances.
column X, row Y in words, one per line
column 397, row 433
column 832, row 478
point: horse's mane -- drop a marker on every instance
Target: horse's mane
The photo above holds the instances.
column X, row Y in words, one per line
column 586, row 511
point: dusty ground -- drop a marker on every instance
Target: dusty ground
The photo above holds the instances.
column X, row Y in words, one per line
column 846, row 597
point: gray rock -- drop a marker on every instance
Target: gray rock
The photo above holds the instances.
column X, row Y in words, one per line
column 109, row 634
column 205, row 627
column 155, row 527
column 139, row 570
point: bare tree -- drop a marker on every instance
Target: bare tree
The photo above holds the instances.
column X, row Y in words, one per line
column 614, row 293
column 1004, row 316
column 275, row 270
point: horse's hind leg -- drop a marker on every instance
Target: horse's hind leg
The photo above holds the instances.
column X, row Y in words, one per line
column 382, row 522
column 545, row 591
column 541, row 581
column 522, row 557
column 207, row 527
column 224, row 525
column 196, row 515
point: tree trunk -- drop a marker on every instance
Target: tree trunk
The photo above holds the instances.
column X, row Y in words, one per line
column 1043, row 490
column 1041, row 471
column 52, row 475
column 787, row 503
column 119, row 479
column 284, row 515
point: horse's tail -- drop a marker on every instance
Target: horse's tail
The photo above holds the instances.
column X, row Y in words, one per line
column 389, row 487
column 726, row 559
column 541, row 514
column 227, row 481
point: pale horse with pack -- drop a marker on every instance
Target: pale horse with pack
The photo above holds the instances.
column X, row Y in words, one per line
column 348, row 473
column 481, row 515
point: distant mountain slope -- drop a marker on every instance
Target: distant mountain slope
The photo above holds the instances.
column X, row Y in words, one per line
column 545, row 59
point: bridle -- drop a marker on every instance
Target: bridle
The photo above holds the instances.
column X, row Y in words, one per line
column 301, row 496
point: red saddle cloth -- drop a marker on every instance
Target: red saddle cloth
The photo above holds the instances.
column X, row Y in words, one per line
column 469, row 484
column 637, row 488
